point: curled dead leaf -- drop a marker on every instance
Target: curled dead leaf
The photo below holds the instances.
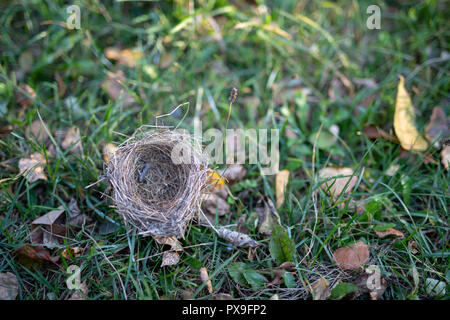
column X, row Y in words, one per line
column 351, row 257
column 204, row 276
column 25, row 95
column 81, row 293
column 321, row 289
column 438, row 127
column 281, row 182
column 236, row 238
column 389, row 232
column 212, row 203
column 267, row 216
column 404, row 121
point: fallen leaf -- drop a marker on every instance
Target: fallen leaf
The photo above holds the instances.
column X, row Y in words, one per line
column 404, row 121
column 281, row 182
column 267, row 216
column 49, row 229
column 72, row 139
column 81, row 293
column 9, row 286
column 25, row 95
column 5, row 131
column 75, row 216
column 127, row 57
column 33, row 256
column 438, row 127
column 113, row 85
column 37, row 131
column 204, row 276
column 389, row 232
column 321, row 289
column 335, row 187
column 222, row 296
column 174, row 244
column 108, row 151
column 216, row 181
column 351, row 257
column 445, row 157
column 236, row 238
column 392, row 170
column 33, row 167
column 372, row 132
column 170, row 258
column 234, row 172
column 70, row 253
column 212, row 203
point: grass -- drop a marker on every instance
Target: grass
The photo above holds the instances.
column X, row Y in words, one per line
column 319, row 47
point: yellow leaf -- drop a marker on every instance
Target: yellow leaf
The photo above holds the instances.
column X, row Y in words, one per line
column 281, row 182
column 216, row 180
column 404, row 121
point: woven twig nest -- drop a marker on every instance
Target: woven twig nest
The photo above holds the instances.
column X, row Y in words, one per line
column 151, row 189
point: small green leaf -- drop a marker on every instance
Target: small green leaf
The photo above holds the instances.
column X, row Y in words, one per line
column 193, row 262
column 281, row 247
column 342, row 289
column 236, row 270
column 289, row 280
column 254, row 279
column 406, row 189
column 373, row 208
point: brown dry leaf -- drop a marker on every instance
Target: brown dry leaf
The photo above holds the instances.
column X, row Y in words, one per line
column 438, row 127
column 127, row 57
column 234, row 172
column 372, row 132
column 222, row 296
column 5, row 130
column 37, row 131
column 351, row 257
column 321, row 289
column 33, row 167
column 25, row 99
column 335, row 187
column 281, row 182
column 445, row 157
column 113, row 85
column 81, row 294
column 72, row 252
column 33, row 256
column 49, row 229
column 170, row 258
column 76, row 217
column 170, row 241
column 108, row 151
column 212, row 203
column 268, row 216
column 72, row 139
column 204, row 276
column 9, row 286
column 389, row 232
column 236, row 238
column 404, row 121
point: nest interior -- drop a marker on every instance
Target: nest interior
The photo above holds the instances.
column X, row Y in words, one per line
column 152, row 192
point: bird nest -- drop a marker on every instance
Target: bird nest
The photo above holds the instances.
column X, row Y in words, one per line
column 158, row 178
